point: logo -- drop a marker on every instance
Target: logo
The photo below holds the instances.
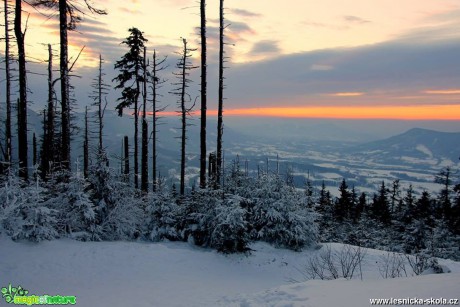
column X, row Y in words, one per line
column 19, row 296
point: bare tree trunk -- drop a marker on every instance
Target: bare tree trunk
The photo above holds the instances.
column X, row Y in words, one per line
column 34, row 150
column 154, row 122
column 136, row 129
column 22, row 101
column 144, row 163
column 100, row 109
column 86, row 147
column 184, row 121
column 157, row 66
column 220, row 128
column 8, row 131
column 64, row 71
column 48, row 150
column 203, row 96
column 126, row 158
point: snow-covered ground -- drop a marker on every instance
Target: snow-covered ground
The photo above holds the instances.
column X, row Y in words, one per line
column 178, row 274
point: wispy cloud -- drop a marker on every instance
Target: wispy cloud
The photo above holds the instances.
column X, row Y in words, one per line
column 346, row 94
column 321, row 67
column 443, row 92
column 355, row 20
column 243, row 13
column 264, row 47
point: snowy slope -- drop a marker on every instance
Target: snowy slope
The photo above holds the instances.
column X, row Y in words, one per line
column 356, row 293
column 178, row 274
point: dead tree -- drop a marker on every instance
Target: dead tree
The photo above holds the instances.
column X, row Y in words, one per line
column 184, row 67
column 34, row 150
column 68, row 19
column 22, row 101
column 126, row 158
column 8, row 151
column 220, row 127
column 157, row 66
column 86, row 146
column 144, row 149
column 48, row 151
column 203, row 95
column 100, row 102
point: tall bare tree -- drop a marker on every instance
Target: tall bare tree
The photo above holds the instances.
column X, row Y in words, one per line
column 100, row 102
column 86, row 146
column 157, row 66
column 184, row 67
column 126, row 157
column 48, row 152
column 145, row 152
column 8, row 151
column 69, row 17
column 203, row 95
column 22, row 101
column 220, row 126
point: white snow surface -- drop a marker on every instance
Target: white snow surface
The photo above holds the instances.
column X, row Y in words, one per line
column 167, row 274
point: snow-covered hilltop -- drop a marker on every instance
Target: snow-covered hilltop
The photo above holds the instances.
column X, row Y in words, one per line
column 179, row 274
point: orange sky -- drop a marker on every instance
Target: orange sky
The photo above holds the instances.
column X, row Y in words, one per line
column 427, row 112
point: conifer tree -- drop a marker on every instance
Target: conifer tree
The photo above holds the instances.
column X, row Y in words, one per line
column 380, row 205
column 129, row 80
column 444, row 178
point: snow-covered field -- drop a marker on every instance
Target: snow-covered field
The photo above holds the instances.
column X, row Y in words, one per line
column 179, row 274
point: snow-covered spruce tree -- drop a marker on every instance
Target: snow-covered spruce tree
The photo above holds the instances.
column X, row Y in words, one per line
column 162, row 217
column 77, row 216
column 25, row 214
column 119, row 207
column 209, row 220
column 279, row 215
column 11, row 197
column 454, row 223
column 442, row 243
column 229, row 230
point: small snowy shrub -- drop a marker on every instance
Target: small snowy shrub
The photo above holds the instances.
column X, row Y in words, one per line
column 211, row 221
column 279, row 215
column 77, row 217
column 27, row 216
column 162, row 212
column 229, row 228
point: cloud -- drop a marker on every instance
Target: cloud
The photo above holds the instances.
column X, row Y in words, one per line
column 383, row 71
column 355, row 20
column 264, row 47
column 347, row 94
column 315, row 24
column 321, row 67
column 443, row 92
column 440, row 27
column 243, row 13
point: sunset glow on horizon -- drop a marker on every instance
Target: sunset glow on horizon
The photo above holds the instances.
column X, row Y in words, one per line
column 426, row 112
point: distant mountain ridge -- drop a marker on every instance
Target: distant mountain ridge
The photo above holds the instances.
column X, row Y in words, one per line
column 416, row 143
